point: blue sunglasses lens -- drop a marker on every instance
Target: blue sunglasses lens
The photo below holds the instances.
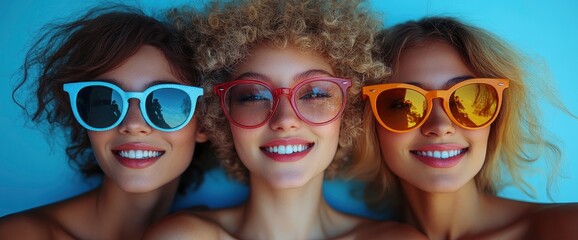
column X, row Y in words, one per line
column 168, row 108
column 101, row 107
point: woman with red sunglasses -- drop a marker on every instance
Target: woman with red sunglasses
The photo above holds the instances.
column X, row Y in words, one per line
column 284, row 107
column 454, row 115
column 120, row 85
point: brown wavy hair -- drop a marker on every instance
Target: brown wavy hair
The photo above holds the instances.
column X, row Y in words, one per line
column 516, row 138
column 340, row 31
column 82, row 49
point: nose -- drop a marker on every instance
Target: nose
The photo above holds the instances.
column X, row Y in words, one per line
column 134, row 123
column 438, row 123
column 284, row 117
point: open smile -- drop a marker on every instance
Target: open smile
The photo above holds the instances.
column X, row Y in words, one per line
column 287, row 149
column 440, row 154
column 139, row 154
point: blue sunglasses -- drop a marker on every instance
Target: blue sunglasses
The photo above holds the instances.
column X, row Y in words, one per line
column 101, row 106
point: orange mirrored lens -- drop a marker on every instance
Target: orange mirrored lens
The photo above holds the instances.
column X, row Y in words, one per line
column 474, row 105
column 470, row 104
column 401, row 109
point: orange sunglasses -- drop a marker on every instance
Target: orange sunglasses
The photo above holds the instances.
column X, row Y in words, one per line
column 471, row 104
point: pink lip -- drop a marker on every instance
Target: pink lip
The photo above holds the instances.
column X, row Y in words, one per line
column 439, row 162
column 136, row 163
column 296, row 156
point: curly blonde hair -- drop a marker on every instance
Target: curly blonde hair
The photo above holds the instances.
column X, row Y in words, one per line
column 340, row 31
column 516, row 137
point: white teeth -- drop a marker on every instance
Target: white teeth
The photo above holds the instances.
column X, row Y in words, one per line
column 287, row 149
column 139, row 154
column 439, row 154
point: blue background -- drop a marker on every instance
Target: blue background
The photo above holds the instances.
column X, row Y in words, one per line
column 34, row 170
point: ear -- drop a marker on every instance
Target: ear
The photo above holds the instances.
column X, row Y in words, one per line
column 201, row 136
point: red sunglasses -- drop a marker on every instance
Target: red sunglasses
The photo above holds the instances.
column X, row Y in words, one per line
column 250, row 103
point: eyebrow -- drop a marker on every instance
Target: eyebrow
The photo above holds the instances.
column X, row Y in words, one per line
column 312, row 73
column 457, row 80
column 449, row 83
column 161, row 81
column 252, row 75
column 148, row 85
column 303, row 75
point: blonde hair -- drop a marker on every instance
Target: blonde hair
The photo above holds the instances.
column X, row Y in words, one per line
column 340, row 31
column 516, row 137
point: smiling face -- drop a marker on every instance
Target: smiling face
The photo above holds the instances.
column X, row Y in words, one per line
column 135, row 156
column 285, row 152
column 439, row 156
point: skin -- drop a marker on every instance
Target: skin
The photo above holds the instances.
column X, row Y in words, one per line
column 130, row 199
column 285, row 125
column 286, row 197
column 440, row 69
column 442, row 200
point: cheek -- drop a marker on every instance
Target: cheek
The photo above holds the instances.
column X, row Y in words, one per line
column 243, row 138
column 327, row 137
column 393, row 146
column 331, row 131
column 98, row 140
column 185, row 138
column 391, row 141
column 479, row 140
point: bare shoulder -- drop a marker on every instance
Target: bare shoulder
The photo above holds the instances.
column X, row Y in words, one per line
column 190, row 225
column 25, row 225
column 183, row 225
column 387, row 230
column 59, row 220
column 372, row 229
column 554, row 221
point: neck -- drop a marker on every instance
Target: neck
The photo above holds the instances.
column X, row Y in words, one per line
column 445, row 215
column 273, row 213
column 126, row 215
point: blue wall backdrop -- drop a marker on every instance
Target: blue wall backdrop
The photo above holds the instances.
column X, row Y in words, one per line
column 34, row 170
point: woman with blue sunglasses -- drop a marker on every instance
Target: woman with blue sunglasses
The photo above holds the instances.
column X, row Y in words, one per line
column 122, row 86
column 455, row 115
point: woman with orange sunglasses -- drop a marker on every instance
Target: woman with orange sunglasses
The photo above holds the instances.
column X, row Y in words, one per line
column 453, row 116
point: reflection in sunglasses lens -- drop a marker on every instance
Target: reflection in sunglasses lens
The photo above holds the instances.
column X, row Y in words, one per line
column 318, row 101
column 99, row 106
column 474, row 105
column 168, row 108
column 249, row 104
column 401, row 109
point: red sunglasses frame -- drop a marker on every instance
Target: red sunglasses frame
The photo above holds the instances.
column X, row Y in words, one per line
column 221, row 90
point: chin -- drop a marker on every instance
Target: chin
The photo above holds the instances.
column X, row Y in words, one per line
column 138, row 186
column 442, row 187
column 285, row 181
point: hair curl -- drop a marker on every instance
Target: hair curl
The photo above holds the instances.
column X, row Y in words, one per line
column 82, row 49
column 516, row 137
column 340, row 31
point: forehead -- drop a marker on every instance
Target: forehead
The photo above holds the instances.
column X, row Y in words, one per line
column 148, row 64
column 281, row 63
column 434, row 60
